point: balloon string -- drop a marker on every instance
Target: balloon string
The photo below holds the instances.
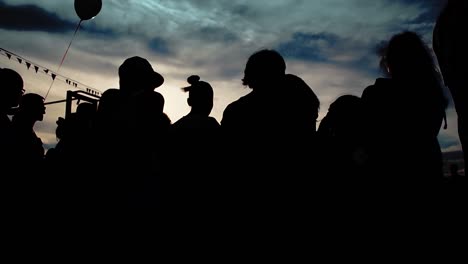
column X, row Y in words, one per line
column 63, row 58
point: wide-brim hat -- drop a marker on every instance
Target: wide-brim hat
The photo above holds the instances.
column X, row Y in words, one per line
column 139, row 69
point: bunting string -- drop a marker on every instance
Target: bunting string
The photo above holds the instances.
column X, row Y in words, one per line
column 54, row 75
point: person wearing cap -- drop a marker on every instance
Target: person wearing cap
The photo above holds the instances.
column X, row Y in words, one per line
column 11, row 90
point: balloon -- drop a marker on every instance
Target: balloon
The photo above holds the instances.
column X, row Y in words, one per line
column 87, row 9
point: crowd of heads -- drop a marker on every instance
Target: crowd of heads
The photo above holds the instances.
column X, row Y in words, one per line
column 268, row 139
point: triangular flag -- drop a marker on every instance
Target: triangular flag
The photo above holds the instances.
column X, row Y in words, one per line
column 20, row 60
column 53, row 76
column 46, row 70
column 36, row 68
column 8, row 55
column 28, row 65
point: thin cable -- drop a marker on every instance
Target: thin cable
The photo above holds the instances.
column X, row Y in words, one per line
column 63, row 58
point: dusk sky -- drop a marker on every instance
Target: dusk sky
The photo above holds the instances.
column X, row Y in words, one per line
column 331, row 44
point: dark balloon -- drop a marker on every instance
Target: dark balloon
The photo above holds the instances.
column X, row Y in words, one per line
column 87, row 9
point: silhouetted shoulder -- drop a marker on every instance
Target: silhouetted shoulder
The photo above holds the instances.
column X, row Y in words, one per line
column 236, row 108
column 195, row 123
column 377, row 88
column 212, row 122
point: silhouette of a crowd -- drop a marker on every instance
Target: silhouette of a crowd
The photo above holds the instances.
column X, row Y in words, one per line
column 267, row 150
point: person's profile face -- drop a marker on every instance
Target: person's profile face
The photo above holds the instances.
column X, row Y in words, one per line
column 42, row 113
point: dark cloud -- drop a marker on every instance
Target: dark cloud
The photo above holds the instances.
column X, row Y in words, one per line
column 424, row 22
column 432, row 9
column 309, row 47
column 31, row 18
column 159, row 46
column 241, row 10
column 330, row 48
column 211, row 34
column 93, row 29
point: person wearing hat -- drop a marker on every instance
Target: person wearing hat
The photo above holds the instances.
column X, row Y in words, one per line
column 136, row 76
column 138, row 81
column 143, row 124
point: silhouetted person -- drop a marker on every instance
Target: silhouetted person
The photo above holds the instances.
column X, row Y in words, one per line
column 108, row 125
column 28, row 146
column 201, row 102
column 144, row 126
column 195, row 143
column 340, row 138
column 108, row 149
column 449, row 42
column 75, row 183
column 269, row 132
column 11, row 90
column 75, row 134
column 304, row 105
column 404, row 114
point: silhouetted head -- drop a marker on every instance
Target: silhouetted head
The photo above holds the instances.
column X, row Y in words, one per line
column 149, row 104
column 109, row 103
column 86, row 110
column 344, row 114
column 137, row 75
column 406, row 56
column 109, row 110
column 200, row 95
column 304, row 92
column 264, row 68
column 31, row 107
column 11, row 88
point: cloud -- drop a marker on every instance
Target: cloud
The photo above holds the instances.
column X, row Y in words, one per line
column 330, row 44
column 31, row 18
column 159, row 46
column 334, row 50
column 313, row 47
column 430, row 9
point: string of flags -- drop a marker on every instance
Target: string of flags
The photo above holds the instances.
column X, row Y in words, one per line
column 40, row 69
